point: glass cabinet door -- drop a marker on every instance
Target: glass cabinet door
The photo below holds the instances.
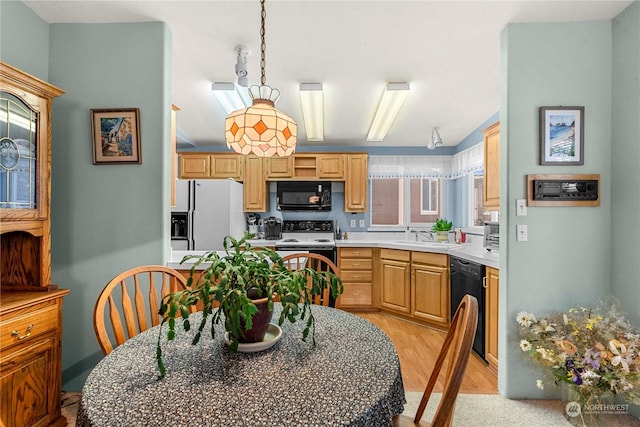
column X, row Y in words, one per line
column 18, row 153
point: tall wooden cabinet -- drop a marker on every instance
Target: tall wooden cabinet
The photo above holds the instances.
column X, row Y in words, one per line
column 492, row 167
column 30, row 306
column 355, row 186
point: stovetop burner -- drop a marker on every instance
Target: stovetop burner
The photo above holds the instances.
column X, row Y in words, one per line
column 307, row 234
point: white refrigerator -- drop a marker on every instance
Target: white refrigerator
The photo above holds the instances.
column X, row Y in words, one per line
column 214, row 210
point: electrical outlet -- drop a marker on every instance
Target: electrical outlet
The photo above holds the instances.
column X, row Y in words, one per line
column 521, row 233
column 521, row 207
column 362, row 223
column 353, row 223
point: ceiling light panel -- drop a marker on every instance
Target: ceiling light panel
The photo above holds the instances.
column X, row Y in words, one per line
column 392, row 99
column 228, row 96
column 311, row 99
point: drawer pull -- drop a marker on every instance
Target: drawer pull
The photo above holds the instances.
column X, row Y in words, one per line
column 356, row 264
column 356, row 277
column 21, row 337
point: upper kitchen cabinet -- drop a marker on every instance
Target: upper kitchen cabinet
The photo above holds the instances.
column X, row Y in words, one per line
column 355, row 185
column 492, row 167
column 211, row 166
column 25, row 174
column 256, row 188
column 227, row 165
column 331, row 166
column 194, row 166
column 279, row 167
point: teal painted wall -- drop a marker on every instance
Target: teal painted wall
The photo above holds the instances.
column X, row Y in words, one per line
column 625, row 179
column 106, row 218
column 625, row 217
column 567, row 258
column 27, row 50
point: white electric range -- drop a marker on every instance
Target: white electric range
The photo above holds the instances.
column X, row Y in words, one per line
column 315, row 236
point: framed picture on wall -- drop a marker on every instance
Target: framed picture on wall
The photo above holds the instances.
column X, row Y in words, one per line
column 116, row 135
column 561, row 135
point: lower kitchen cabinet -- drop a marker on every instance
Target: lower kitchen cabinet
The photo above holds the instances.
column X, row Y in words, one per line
column 31, row 358
column 430, row 287
column 492, row 284
column 356, row 271
column 395, row 280
column 415, row 285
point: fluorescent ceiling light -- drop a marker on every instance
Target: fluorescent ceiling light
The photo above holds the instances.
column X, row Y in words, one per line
column 228, row 96
column 392, row 99
column 312, row 110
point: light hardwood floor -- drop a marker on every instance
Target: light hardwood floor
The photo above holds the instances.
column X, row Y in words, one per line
column 418, row 347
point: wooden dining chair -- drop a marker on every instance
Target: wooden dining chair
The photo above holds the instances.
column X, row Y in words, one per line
column 130, row 315
column 317, row 262
column 457, row 346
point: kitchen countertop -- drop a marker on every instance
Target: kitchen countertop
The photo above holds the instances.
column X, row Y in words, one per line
column 177, row 256
column 469, row 251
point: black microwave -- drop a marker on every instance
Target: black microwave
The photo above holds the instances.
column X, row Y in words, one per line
column 303, row 195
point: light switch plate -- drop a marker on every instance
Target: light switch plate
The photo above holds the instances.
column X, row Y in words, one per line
column 353, row 223
column 362, row 223
column 521, row 233
column 521, row 207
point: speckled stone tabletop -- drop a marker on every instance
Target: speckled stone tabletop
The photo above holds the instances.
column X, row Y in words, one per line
column 350, row 378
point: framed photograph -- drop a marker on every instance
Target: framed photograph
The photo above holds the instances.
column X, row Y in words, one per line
column 561, row 135
column 116, row 135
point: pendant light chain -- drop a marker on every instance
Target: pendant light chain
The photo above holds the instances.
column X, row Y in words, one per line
column 263, row 46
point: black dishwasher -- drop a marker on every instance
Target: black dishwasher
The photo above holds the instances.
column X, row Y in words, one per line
column 467, row 278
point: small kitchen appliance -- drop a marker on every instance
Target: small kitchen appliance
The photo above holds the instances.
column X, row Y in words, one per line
column 273, row 228
column 491, row 236
column 303, row 195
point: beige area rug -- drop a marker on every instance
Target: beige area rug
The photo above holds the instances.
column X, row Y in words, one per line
column 471, row 410
column 496, row 411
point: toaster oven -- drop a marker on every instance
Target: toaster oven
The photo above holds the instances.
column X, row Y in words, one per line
column 491, row 236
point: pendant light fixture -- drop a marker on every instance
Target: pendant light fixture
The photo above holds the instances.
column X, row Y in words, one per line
column 261, row 129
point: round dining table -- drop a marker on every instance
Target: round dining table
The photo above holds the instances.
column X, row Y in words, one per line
column 350, row 377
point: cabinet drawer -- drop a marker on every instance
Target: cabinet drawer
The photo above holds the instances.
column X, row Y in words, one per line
column 355, row 252
column 395, row 254
column 430, row 258
column 355, row 276
column 43, row 319
column 356, row 294
column 355, row 264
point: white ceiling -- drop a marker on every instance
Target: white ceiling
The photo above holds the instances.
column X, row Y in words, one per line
column 449, row 51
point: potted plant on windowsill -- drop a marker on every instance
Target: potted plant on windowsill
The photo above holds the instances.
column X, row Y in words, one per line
column 442, row 228
column 238, row 288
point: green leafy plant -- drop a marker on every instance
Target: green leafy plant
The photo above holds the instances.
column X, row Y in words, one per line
column 442, row 224
column 226, row 286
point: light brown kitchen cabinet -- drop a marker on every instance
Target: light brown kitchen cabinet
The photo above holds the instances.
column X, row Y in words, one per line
column 279, row 167
column 355, row 186
column 430, row 287
column 194, row 166
column 255, row 187
column 331, row 166
column 356, row 271
column 227, row 165
column 492, row 167
column 492, row 285
column 395, row 283
column 305, row 166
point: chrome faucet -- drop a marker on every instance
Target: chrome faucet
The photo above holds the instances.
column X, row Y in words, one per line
column 428, row 235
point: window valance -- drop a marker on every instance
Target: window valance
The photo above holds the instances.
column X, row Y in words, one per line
column 443, row 167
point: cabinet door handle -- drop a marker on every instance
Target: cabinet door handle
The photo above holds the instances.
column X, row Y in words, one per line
column 21, row 337
column 484, row 282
